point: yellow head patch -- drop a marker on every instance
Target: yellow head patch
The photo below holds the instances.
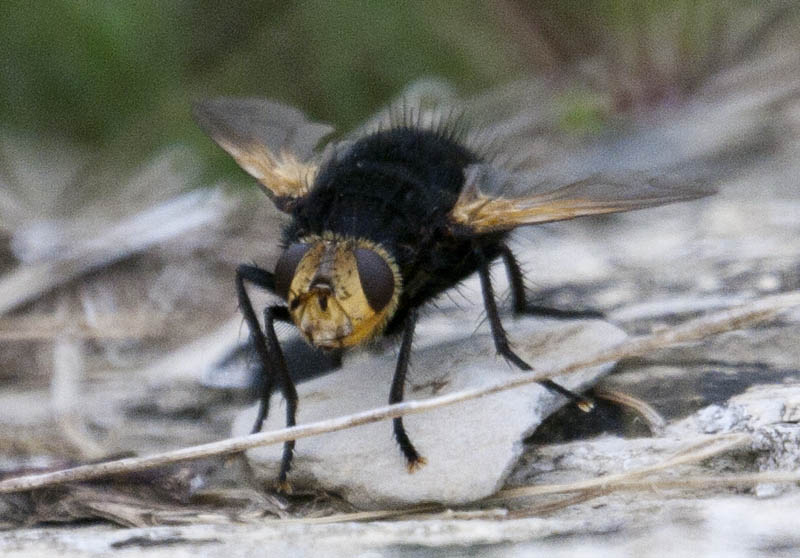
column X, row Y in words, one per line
column 340, row 292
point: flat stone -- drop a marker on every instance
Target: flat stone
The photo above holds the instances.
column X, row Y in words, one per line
column 470, row 447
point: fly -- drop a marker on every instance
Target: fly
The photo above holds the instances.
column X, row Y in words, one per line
column 383, row 223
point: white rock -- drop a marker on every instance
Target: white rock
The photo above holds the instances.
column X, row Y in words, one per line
column 470, row 447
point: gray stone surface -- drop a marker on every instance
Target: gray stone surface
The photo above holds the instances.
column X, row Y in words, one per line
column 470, row 447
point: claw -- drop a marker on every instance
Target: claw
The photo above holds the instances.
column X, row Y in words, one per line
column 415, row 465
column 284, row 487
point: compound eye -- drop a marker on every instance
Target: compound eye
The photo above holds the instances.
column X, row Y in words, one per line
column 287, row 266
column 377, row 279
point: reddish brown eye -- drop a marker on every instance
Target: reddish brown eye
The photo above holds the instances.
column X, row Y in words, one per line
column 377, row 279
column 287, row 265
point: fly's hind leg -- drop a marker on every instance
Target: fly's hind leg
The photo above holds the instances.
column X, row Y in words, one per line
column 413, row 459
column 501, row 338
column 519, row 301
column 270, row 355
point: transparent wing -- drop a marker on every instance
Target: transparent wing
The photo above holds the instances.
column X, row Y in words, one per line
column 423, row 103
column 494, row 200
column 273, row 142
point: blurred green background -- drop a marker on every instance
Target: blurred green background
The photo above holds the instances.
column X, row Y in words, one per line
column 120, row 71
column 120, row 75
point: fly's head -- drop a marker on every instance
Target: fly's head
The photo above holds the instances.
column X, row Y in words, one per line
column 340, row 292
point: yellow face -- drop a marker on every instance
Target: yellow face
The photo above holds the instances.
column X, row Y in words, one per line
column 340, row 292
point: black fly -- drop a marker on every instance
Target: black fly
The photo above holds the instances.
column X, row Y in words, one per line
column 382, row 224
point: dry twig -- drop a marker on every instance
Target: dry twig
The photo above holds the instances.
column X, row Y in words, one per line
column 655, row 422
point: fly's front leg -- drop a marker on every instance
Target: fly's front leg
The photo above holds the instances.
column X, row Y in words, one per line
column 519, row 301
column 501, row 338
column 265, row 280
column 271, row 314
column 413, row 459
column 269, row 353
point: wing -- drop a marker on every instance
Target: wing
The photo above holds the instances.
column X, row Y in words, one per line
column 488, row 203
column 423, row 103
column 274, row 143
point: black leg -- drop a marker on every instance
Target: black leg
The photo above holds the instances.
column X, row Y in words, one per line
column 262, row 279
column 257, row 276
column 269, row 353
column 519, row 300
column 271, row 314
column 501, row 338
column 413, row 459
column 515, row 280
